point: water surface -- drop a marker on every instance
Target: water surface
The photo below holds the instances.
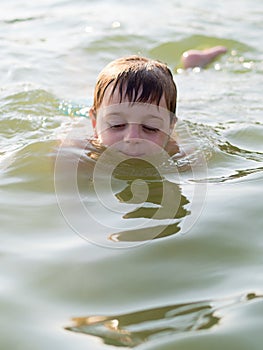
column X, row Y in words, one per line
column 71, row 281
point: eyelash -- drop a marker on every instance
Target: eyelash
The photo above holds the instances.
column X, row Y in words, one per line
column 146, row 128
column 117, row 126
column 150, row 129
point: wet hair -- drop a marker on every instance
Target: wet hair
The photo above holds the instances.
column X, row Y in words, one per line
column 139, row 79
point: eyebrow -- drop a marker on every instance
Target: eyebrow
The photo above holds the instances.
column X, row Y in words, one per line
column 153, row 116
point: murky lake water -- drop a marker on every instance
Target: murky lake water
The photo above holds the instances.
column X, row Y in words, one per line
column 79, row 267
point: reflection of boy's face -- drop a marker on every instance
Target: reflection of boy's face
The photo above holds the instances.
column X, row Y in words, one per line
column 134, row 129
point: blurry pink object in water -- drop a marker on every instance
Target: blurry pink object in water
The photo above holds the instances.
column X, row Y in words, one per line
column 200, row 58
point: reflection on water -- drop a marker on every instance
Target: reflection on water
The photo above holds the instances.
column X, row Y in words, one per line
column 141, row 192
column 164, row 201
column 134, row 328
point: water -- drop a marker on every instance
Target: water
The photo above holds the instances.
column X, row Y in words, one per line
column 69, row 281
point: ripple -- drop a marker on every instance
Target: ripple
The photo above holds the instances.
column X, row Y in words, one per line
column 22, row 19
column 231, row 149
column 29, row 101
column 235, row 149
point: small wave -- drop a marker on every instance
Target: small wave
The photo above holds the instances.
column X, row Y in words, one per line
column 29, row 101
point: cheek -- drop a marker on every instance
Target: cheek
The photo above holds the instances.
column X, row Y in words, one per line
column 160, row 139
column 109, row 138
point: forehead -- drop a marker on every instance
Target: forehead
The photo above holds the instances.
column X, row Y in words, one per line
column 134, row 112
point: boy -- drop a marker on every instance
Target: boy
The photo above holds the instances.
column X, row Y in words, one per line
column 134, row 107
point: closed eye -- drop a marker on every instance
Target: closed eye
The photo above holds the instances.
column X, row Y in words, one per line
column 117, row 126
column 149, row 129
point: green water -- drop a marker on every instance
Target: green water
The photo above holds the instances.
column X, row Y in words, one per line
column 80, row 267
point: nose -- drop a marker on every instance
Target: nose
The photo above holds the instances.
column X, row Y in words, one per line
column 132, row 134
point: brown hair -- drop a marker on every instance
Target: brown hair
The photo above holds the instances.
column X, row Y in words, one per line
column 140, row 79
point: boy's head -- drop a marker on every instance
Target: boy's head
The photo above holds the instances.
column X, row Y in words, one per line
column 134, row 101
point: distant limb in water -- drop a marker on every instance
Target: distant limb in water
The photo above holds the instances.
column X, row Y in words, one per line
column 201, row 58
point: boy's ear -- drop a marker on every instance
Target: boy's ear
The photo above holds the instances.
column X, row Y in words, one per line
column 92, row 115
